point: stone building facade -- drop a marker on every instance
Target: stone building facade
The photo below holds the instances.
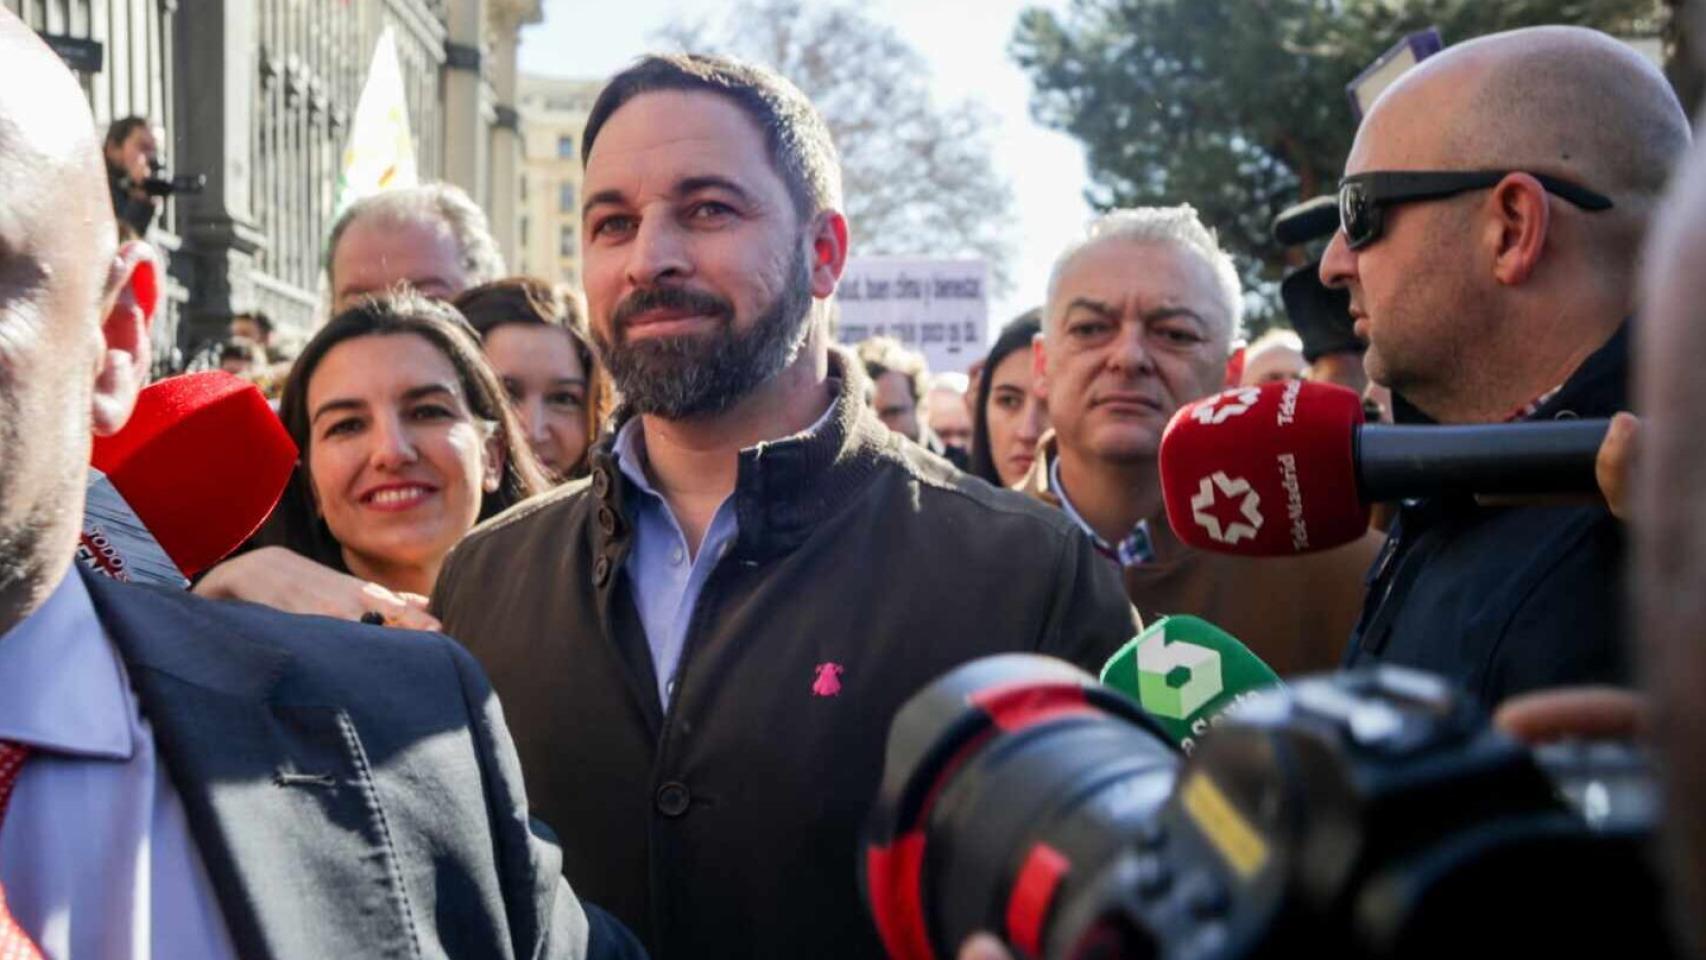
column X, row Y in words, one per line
column 553, row 115
column 258, row 95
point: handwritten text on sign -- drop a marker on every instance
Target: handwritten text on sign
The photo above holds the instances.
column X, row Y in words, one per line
column 937, row 307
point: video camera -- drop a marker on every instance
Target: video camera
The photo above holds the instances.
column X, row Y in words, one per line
column 159, row 183
column 1371, row 814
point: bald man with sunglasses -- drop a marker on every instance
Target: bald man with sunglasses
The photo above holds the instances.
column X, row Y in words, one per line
column 1491, row 212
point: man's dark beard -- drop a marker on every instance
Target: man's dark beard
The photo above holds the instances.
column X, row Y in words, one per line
column 695, row 374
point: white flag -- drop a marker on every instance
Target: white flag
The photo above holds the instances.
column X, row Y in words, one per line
column 380, row 155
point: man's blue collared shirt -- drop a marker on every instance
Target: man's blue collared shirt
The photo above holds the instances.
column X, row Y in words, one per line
column 665, row 577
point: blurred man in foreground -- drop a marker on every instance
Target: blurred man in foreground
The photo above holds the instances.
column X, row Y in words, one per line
column 194, row 780
column 1493, row 205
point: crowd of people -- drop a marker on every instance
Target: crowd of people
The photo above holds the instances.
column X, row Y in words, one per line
column 701, row 554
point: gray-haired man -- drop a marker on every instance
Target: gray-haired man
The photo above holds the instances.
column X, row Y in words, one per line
column 431, row 237
column 1140, row 319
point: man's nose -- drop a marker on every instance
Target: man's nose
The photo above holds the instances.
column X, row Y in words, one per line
column 1129, row 353
column 657, row 253
column 1338, row 263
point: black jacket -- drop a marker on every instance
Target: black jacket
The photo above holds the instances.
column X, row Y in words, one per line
column 730, row 826
column 1505, row 600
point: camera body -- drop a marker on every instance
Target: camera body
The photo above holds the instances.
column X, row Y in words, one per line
column 1365, row 814
column 159, row 183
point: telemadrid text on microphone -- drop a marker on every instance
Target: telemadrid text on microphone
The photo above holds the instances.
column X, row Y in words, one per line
column 1289, row 468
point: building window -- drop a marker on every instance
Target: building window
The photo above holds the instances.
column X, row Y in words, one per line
column 566, row 198
column 566, row 242
column 523, row 189
column 565, row 147
column 524, row 233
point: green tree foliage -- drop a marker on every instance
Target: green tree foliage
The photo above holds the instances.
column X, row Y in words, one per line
column 1238, row 106
column 917, row 176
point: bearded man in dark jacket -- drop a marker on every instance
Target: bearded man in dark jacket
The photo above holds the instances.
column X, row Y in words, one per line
column 700, row 647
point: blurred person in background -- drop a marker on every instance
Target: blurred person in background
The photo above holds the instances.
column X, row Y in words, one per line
column 949, row 412
column 1140, row 319
column 242, row 357
column 535, row 337
column 432, row 238
column 406, row 442
column 256, row 327
column 1010, row 418
column 899, row 379
column 1274, row 356
column 131, row 149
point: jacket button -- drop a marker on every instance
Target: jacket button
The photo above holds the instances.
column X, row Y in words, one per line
column 672, row 799
column 600, row 482
column 607, row 520
column 601, row 571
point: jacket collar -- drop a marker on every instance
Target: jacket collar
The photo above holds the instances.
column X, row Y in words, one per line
column 1038, row 484
column 783, row 488
column 1598, row 388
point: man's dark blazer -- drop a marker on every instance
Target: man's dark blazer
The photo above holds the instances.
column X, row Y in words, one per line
column 352, row 790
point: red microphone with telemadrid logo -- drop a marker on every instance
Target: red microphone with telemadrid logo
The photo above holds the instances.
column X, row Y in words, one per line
column 1289, row 468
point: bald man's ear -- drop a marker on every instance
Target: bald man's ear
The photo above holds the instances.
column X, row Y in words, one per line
column 132, row 294
column 1039, row 367
column 1521, row 221
column 828, row 256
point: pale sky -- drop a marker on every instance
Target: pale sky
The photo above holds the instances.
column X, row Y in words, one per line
column 965, row 42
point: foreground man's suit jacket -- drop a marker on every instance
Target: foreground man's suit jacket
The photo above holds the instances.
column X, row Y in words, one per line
column 352, row 790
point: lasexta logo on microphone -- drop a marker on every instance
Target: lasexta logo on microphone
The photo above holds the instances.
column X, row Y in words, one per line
column 1175, row 679
column 1218, row 496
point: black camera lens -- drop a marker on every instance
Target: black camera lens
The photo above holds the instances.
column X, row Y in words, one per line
column 1011, row 783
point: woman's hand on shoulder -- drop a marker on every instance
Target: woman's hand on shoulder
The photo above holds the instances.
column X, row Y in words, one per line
column 286, row 580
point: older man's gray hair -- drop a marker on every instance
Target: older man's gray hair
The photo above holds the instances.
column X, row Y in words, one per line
column 428, row 203
column 1178, row 227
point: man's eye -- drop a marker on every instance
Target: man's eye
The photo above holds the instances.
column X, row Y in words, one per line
column 710, row 210
column 1086, row 329
column 615, row 225
column 1179, row 336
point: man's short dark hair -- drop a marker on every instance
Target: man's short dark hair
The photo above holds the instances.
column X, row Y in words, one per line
column 120, row 130
column 261, row 319
column 882, row 355
column 795, row 136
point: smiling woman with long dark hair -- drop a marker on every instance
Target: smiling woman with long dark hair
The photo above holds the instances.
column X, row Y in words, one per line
column 406, row 442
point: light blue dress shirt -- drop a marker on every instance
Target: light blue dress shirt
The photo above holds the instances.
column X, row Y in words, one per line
column 664, row 576
column 95, row 854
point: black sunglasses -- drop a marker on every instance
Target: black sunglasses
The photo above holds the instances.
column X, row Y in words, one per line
column 1363, row 197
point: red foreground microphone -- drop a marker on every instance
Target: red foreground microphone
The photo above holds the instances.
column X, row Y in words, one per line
column 1289, row 468
column 201, row 463
column 1265, row 471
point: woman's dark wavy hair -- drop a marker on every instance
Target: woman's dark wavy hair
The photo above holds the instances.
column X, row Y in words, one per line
column 1016, row 335
column 296, row 523
column 529, row 300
